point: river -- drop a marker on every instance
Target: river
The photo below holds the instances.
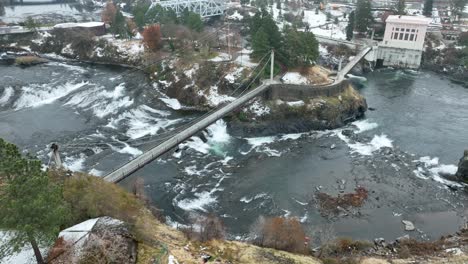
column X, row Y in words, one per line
column 103, row 116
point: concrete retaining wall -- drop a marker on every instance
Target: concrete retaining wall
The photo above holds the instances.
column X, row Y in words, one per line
column 293, row 92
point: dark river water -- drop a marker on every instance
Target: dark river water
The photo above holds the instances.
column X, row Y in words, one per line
column 102, row 117
column 49, row 13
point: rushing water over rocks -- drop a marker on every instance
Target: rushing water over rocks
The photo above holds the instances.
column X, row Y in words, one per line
column 400, row 152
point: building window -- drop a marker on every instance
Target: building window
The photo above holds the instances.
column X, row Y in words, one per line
column 401, row 36
column 415, row 37
column 411, row 37
column 406, row 36
column 413, row 30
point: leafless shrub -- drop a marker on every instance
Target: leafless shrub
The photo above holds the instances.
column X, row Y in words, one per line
column 280, row 233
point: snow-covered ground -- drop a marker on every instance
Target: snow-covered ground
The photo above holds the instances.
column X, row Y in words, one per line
column 235, row 16
column 320, row 26
column 294, row 78
column 133, row 49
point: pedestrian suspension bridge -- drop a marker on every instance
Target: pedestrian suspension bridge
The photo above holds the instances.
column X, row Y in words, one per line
column 210, row 118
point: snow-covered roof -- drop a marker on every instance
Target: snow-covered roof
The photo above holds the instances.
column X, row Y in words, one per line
column 83, row 25
column 78, row 231
column 419, row 20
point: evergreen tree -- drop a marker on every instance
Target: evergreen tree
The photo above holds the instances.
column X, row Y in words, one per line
column 458, row 6
column 32, row 208
column 363, row 16
column 400, row 7
column 427, row 11
column 194, row 22
column 350, row 26
column 139, row 12
column 158, row 15
column 119, row 26
column 301, row 48
column 244, row 2
column 31, row 24
column 260, row 43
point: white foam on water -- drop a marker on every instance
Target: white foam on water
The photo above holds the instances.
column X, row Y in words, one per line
column 96, row 172
column 366, row 149
column 75, row 163
column 428, row 161
column 172, row 103
column 101, row 101
column 364, row 125
column 199, row 203
column 6, row 95
column 246, row 200
column 360, row 78
column 73, row 68
column 293, row 136
column 197, row 144
column 433, row 170
column 218, row 132
column 304, row 218
column 299, row 202
column 127, row 149
column 36, row 95
column 217, row 137
column 143, row 121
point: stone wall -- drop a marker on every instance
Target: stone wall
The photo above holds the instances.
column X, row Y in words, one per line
column 294, row 92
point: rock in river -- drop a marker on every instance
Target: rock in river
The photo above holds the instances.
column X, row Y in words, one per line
column 409, row 226
column 462, row 172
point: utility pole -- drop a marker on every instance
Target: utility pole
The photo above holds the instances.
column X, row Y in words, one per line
column 55, row 155
column 272, row 67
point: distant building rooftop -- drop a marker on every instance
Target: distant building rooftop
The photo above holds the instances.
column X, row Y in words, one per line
column 419, row 20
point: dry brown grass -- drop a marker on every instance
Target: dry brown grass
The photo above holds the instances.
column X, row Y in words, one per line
column 329, row 204
column 29, row 60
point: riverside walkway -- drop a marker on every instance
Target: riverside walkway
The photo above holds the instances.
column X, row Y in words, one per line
column 152, row 154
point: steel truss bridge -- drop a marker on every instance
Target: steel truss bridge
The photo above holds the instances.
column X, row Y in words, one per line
column 205, row 8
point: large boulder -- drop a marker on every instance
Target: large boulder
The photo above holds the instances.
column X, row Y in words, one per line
column 94, row 240
column 462, row 172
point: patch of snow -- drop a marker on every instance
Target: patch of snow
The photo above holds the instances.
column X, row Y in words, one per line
column 258, row 109
column 244, row 60
column 83, row 25
column 221, row 57
column 67, row 50
column 296, row 103
column 172, row 260
column 214, row 98
column 294, row 78
column 235, row 16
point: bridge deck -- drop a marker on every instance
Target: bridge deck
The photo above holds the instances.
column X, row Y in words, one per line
column 178, row 138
